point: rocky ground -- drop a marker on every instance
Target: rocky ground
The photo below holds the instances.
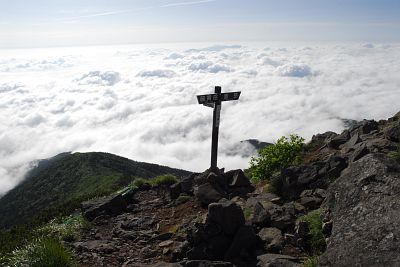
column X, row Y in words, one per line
column 218, row 218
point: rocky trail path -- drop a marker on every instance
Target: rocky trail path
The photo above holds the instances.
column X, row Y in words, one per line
column 144, row 235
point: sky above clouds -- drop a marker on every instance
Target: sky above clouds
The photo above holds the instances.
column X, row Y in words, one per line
column 44, row 23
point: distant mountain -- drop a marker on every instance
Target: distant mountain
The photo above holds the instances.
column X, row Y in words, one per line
column 257, row 144
column 245, row 148
column 63, row 181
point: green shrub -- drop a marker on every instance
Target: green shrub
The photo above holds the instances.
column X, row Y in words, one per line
column 248, row 213
column 316, row 237
column 182, row 199
column 42, row 252
column 395, row 154
column 310, row 262
column 270, row 159
column 166, row 179
column 139, row 182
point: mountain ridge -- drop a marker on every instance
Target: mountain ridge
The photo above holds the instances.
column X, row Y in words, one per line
column 72, row 177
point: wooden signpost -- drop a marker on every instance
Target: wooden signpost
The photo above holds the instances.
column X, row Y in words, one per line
column 214, row 101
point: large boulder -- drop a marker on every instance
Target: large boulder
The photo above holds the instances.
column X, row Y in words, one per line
column 364, row 127
column 227, row 215
column 268, row 214
column 393, row 133
column 245, row 240
column 207, row 193
column 272, row 238
column 224, row 236
column 111, row 205
column 364, row 205
column 298, row 178
column 212, row 185
column 339, row 140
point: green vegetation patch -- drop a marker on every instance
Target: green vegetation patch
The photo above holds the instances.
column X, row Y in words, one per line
column 47, row 252
column 21, row 243
column 248, row 213
column 395, row 154
column 285, row 152
column 310, row 262
column 316, row 237
column 66, row 229
column 182, row 199
column 164, row 180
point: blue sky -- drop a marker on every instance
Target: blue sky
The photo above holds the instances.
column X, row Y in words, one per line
column 43, row 23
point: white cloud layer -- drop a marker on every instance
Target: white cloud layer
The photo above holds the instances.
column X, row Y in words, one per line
column 140, row 102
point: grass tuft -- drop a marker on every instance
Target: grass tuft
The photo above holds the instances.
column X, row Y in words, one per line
column 316, row 237
column 395, row 154
column 164, row 180
column 310, row 262
column 247, row 212
column 182, row 199
column 47, row 252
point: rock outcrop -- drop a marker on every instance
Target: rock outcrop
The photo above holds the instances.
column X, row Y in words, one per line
column 364, row 206
column 213, row 185
column 224, row 236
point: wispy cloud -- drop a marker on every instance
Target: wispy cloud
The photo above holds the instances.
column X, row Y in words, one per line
column 117, row 12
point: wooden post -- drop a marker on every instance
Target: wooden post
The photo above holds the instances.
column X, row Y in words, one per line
column 214, row 101
column 215, row 129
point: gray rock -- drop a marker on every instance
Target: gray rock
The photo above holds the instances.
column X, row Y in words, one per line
column 227, row 215
column 311, row 202
column 355, row 139
column 236, row 178
column 245, row 239
column 296, row 179
column 364, row 127
column 268, row 214
column 277, row 260
column 187, row 184
column 321, row 193
column 335, row 165
column 364, row 204
column 252, row 201
column 360, row 152
column 323, row 137
column 111, row 205
column 393, row 133
column 175, row 190
column 261, row 214
column 273, row 239
column 339, row 140
column 206, row 194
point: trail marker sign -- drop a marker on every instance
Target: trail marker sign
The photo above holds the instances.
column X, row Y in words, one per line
column 214, row 101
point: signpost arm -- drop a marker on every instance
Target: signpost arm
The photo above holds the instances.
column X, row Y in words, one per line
column 215, row 129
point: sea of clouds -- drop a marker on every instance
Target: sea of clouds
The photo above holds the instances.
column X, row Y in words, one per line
column 140, row 101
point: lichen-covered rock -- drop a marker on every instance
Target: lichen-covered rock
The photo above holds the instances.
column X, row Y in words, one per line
column 364, row 205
